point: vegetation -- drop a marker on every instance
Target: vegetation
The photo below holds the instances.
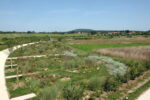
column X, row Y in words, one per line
column 110, row 84
column 138, row 53
column 88, row 47
column 73, row 92
column 73, row 71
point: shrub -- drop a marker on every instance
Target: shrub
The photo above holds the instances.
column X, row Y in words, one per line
column 147, row 65
column 97, row 93
column 94, row 84
column 91, row 61
column 69, row 64
column 136, row 69
column 35, row 84
column 70, row 54
column 121, row 78
column 26, row 68
column 49, row 93
column 114, row 67
column 110, row 84
column 73, row 92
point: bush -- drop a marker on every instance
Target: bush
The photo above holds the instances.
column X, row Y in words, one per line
column 69, row 64
column 136, row 70
column 110, row 84
column 121, row 78
column 94, row 84
column 33, row 84
column 147, row 65
column 49, row 93
column 91, row 61
column 73, row 92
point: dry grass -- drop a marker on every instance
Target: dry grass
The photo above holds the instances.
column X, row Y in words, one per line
column 141, row 53
column 116, row 40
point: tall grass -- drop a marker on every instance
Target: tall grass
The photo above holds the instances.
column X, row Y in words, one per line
column 49, row 93
column 141, row 53
column 73, row 92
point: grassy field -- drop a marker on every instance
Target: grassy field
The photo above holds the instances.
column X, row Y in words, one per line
column 89, row 47
column 44, row 48
column 39, row 35
column 10, row 40
column 115, row 40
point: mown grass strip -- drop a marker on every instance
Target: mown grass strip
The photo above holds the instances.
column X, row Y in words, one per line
column 139, row 91
column 88, row 47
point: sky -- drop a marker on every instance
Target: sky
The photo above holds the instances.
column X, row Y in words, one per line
column 66, row 15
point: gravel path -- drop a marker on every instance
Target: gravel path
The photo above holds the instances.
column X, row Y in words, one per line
column 3, row 57
column 24, row 97
column 35, row 56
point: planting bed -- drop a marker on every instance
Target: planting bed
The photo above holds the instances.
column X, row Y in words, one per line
column 72, row 75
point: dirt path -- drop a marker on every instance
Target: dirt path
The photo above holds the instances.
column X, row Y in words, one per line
column 3, row 57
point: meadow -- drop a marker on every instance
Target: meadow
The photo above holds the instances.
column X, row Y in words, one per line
column 78, row 72
column 89, row 47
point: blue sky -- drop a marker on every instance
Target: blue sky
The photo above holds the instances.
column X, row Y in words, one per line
column 64, row 15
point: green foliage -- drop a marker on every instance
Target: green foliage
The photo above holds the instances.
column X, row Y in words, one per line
column 97, row 93
column 34, row 84
column 73, row 92
column 121, row 78
column 91, row 61
column 88, row 47
column 110, row 84
column 49, row 93
column 70, row 64
column 136, row 69
column 26, row 68
column 147, row 65
column 19, row 91
column 94, row 84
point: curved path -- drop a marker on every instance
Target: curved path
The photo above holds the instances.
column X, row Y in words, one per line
column 3, row 57
column 145, row 95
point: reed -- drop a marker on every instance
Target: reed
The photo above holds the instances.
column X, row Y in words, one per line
column 141, row 53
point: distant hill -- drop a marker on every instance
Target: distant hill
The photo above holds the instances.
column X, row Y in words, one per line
column 82, row 30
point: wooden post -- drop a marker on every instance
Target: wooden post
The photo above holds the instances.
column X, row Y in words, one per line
column 11, row 63
column 17, row 78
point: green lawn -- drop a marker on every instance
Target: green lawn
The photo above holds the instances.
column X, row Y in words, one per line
column 88, row 47
column 2, row 47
